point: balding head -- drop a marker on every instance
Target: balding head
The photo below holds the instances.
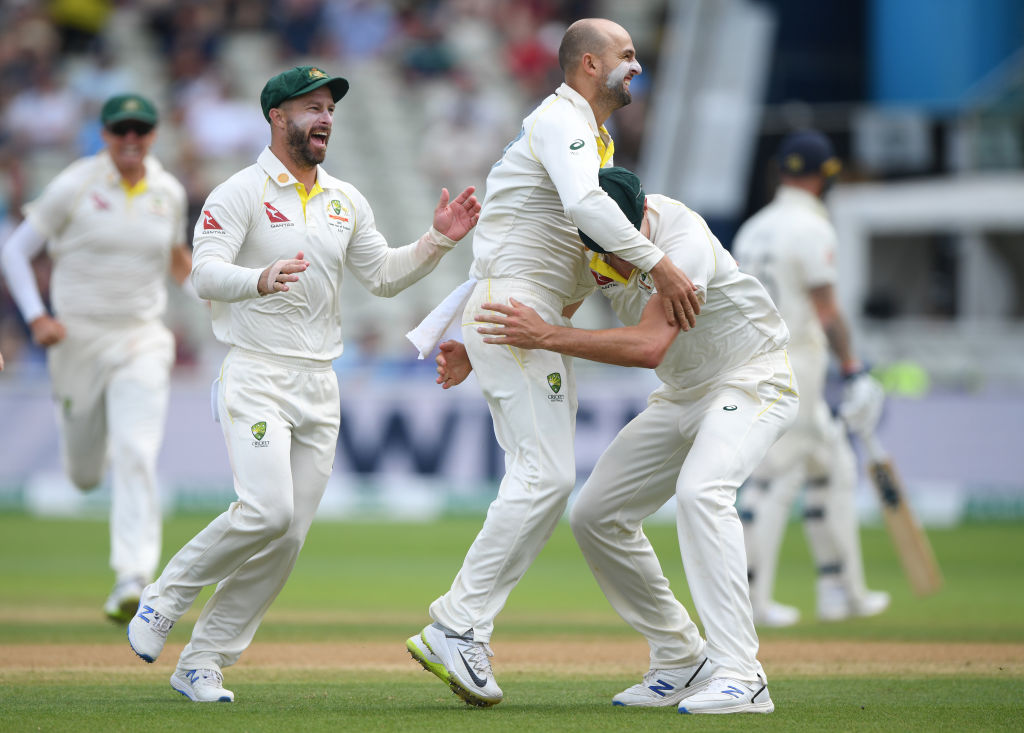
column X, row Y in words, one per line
column 589, row 35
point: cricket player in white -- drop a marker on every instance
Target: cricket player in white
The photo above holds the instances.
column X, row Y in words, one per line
column 270, row 249
column 790, row 246
column 114, row 226
column 526, row 247
column 727, row 394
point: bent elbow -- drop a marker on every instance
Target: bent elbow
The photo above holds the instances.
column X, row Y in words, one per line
column 650, row 356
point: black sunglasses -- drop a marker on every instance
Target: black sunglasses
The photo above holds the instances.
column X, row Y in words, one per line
column 123, row 127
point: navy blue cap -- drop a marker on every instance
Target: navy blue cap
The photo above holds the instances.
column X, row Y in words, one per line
column 808, row 152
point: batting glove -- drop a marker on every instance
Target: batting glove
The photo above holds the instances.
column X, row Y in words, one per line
column 861, row 405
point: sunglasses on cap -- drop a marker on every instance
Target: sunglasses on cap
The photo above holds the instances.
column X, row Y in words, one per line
column 123, row 127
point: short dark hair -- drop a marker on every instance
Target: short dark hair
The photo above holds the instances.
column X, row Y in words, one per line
column 582, row 37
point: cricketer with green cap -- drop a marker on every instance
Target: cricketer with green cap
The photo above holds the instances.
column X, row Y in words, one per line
column 125, row 107
column 270, row 250
column 727, row 394
column 296, row 82
column 114, row 226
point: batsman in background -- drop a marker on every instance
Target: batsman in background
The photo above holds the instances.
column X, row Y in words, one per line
column 270, row 252
column 544, row 186
column 790, row 246
column 727, row 393
column 114, row 227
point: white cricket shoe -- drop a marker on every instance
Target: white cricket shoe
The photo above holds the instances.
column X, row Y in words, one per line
column 836, row 604
column 123, row 601
column 775, row 615
column 201, row 685
column 723, row 695
column 459, row 661
column 147, row 631
column 664, row 687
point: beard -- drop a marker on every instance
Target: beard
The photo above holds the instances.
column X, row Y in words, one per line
column 615, row 96
column 301, row 151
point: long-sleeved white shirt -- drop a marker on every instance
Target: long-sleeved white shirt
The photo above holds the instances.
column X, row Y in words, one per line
column 261, row 215
column 543, row 189
column 738, row 321
column 790, row 246
column 110, row 244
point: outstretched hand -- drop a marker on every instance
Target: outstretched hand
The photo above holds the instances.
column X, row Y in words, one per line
column 455, row 218
column 453, row 365
column 275, row 278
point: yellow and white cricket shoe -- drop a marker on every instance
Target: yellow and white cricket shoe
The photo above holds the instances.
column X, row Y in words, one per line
column 459, row 661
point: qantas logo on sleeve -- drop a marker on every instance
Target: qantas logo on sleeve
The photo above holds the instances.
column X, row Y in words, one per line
column 275, row 216
column 209, row 223
column 100, row 202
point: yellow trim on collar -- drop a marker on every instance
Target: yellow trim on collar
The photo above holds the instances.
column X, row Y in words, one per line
column 305, row 197
column 133, row 191
column 601, row 267
column 606, row 150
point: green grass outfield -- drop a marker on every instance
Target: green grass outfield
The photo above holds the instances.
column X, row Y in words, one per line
column 360, row 586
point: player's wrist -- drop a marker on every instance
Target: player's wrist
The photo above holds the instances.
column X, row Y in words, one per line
column 852, row 369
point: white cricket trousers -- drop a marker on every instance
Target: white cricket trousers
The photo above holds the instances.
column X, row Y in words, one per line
column 698, row 445
column 815, row 453
column 531, row 394
column 280, row 420
column 111, row 381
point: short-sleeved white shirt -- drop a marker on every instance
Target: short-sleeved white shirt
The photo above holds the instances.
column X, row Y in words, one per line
column 790, row 246
column 737, row 322
column 257, row 217
column 111, row 248
column 543, row 189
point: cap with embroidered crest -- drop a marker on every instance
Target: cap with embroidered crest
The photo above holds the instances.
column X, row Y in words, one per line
column 296, row 82
column 128, row 107
column 806, row 153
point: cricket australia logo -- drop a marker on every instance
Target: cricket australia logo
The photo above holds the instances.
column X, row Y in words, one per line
column 555, row 383
column 258, row 431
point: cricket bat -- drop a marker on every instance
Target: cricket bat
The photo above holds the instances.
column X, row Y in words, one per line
column 910, row 541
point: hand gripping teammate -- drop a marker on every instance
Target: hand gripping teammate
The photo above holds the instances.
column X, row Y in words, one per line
column 544, row 186
column 790, row 246
column 114, row 226
column 727, row 394
column 270, row 251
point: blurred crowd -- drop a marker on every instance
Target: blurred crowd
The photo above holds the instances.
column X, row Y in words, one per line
column 470, row 70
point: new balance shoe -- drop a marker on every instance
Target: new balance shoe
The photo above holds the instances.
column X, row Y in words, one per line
column 147, row 631
column 123, row 601
column 775, row 615
column 664, row 687
column 201, row 685
column 459, row 661
column 723, row 695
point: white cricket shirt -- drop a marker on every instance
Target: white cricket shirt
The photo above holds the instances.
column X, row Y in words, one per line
column 737, row 320
column 542, row 189
column 261, row 215
column 110, row 246
column 790, row 246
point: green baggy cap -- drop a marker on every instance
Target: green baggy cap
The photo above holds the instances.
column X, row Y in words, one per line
column 296, row 82
column 624, row 187
column 128, row 107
